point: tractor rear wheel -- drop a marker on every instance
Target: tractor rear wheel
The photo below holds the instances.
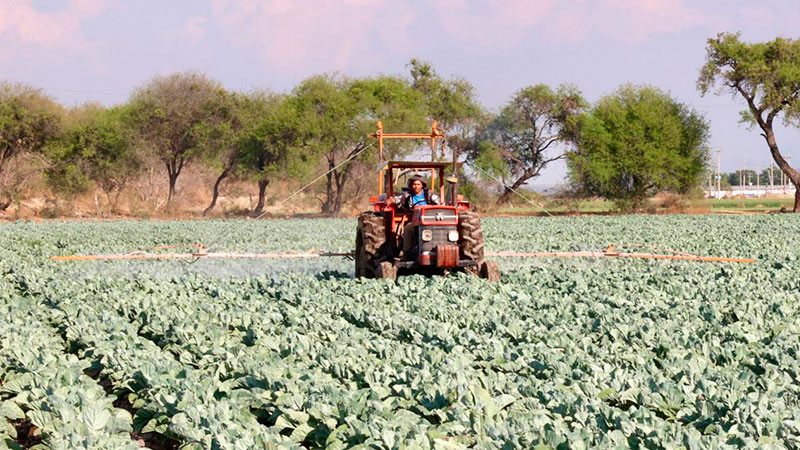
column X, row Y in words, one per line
column 370, row 244
column 470, row 239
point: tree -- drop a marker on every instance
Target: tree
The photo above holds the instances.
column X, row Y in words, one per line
column 529, row 133
column 767, row 76
column 174, row 114
column 272, row 146
column 96, row 146
column 339, row 114
column 28, row 120
column 636, row 142
column 451, row 102
column 226, row 141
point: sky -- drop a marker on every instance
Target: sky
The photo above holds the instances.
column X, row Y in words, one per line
column 101, row 50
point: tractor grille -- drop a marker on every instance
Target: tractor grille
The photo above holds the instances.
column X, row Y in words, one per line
column 439, row 237
column 440, row 215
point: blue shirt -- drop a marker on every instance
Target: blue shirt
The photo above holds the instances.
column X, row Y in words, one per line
column 419, row 199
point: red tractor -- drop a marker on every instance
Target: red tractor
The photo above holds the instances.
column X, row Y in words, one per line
column 396, row 238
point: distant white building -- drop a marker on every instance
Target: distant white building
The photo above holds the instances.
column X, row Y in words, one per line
column 751, row 191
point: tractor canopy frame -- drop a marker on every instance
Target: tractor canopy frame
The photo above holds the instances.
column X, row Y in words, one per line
column 387, row 175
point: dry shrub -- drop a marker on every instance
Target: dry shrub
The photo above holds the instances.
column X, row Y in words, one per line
column 669, row 203
column 569, row 198
column 145, row 197
column 55, row 209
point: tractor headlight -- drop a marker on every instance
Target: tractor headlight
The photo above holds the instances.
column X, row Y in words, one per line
column 427, row 235
column 452, row 236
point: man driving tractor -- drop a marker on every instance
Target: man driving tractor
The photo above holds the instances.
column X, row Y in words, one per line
column 417, row 232
column 417, row 194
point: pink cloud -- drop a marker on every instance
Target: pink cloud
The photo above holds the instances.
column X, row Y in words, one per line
column 194, row 27
column 637, row 20
column 568, row 26
column 503, row 23
column 59, row 29
column 520, row 12
column 296, row 36
column 627, row 21
column 299, row 36
column 88, row 8
column 489, row 23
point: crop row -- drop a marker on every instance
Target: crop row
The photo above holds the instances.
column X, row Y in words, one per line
column 46, row 388
column 342, row 366
column 578, row 353
column 371, row 335
column 170, row 398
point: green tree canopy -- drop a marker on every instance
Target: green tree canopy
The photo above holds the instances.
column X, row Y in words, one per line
column 96, row 146
column 767, row 76
column 530, row 132
column 339, row 115
column 273, row 146
column 451, row 102
column 636, row 142
column 28, row 120
column 227, row 140
column 175, row 115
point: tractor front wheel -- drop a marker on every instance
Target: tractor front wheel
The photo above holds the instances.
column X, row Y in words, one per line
column 387, row 271
column 490, row 271
column 370, row 244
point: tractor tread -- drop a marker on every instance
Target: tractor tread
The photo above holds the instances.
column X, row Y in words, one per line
column 471, row 239
column 370, row 244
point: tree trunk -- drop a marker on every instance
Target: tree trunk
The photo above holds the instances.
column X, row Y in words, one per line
column 791, row 173
column 173, row 170
column 262, row 189
column 337, row 199
column 341, row 178
column 336, row 180
column 509, row 190
column 3, row 205
column 173, row 177
column 3, row 157
column 116, row 197
column 327, row 205
column 796, row 197
column 215, row 194
column 337, row 204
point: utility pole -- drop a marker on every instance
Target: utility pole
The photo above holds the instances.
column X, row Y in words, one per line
column 741, row 177
column 758, row 180
column 783, row 178
column 771, row 180
column 719, row 176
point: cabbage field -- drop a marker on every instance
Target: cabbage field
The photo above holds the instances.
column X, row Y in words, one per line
column 243, row 354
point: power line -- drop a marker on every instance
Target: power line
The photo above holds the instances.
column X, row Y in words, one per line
column 512, row 189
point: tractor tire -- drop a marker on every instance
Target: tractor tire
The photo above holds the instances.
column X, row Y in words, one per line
column 370, row 244
column 470, row 240
column 490, row 271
